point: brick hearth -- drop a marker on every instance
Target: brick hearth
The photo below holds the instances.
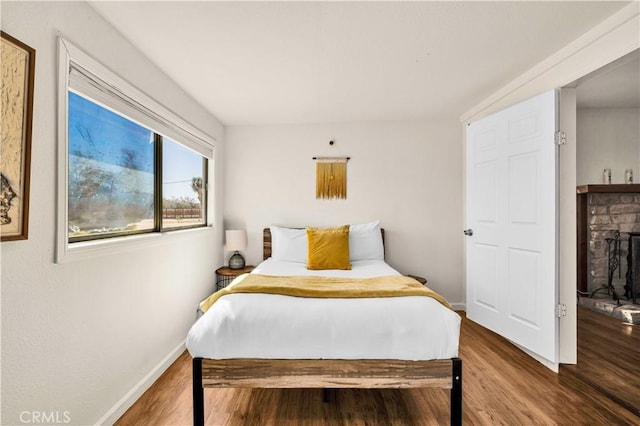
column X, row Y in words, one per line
column 626, row 312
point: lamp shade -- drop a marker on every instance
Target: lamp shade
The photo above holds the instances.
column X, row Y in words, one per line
column 236, row 239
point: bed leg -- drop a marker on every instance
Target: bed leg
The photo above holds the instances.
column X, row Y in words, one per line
column 325, row 395
column 456, row 392
column 198, row 393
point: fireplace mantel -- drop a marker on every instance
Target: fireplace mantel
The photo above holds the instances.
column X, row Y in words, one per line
column 613, row 188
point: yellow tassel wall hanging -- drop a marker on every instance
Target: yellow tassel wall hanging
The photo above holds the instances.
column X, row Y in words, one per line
column 331, row 178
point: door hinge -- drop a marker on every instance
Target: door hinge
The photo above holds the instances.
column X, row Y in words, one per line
column 561, row 138
column 561, row 310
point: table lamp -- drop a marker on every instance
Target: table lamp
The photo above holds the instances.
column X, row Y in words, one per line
column 236, row 240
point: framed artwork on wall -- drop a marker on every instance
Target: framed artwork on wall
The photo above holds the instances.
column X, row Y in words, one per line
column 18, row 68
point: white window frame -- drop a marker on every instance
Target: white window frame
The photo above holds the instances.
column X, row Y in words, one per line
column 138, row 107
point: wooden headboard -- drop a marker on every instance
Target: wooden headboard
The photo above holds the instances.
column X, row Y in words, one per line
column 266, row 242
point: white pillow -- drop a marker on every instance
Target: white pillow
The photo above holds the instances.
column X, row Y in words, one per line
column 365, row 242
column 288, row 244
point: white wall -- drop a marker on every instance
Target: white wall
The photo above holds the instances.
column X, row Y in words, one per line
column 613, row 38
column 407, row 174
column 607, row 138
column 78, row 337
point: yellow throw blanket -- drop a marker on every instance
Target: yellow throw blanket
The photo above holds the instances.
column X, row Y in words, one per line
column 325, row 287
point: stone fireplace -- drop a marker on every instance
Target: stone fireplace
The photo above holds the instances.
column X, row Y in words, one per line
column 632, row 288
column 607, row 216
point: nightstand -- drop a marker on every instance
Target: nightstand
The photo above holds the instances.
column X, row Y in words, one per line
column 421, row 280
column 224, row 275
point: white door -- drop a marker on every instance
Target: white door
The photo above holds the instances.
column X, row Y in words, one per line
column 511, row 210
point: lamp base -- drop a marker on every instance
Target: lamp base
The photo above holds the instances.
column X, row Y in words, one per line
column 236, row 261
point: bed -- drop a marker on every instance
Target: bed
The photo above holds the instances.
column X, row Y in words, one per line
column 278, row 341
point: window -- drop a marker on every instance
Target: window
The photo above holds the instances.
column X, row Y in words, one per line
column 111, row 173
column 128, row 165
column 183, row 186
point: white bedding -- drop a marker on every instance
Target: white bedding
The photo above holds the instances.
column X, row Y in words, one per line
column 285, row 327
column 359, row 269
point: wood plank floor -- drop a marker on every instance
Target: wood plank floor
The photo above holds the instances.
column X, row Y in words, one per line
column 501, row 386
column 609, row 357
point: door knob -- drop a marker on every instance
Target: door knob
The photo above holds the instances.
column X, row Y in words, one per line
column 468, row 232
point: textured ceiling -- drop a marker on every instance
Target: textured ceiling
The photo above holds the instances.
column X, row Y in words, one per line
column 310, row 62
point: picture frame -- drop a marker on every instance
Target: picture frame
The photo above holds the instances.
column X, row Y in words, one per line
column 18, row 73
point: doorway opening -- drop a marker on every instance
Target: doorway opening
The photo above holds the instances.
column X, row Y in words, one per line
column 608, row 221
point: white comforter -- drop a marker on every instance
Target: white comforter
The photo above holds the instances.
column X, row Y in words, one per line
column 285, row 327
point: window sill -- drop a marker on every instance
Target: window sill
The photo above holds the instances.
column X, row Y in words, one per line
column 109, row 246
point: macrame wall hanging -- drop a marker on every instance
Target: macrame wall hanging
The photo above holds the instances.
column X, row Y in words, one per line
column 331, row 177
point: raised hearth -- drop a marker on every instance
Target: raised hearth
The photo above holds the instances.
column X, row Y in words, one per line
column 625, row 312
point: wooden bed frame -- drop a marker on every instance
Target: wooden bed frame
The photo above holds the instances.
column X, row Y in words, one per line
column 325, row 373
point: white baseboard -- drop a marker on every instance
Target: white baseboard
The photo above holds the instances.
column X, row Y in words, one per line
column 111, row 416
column 459, row 306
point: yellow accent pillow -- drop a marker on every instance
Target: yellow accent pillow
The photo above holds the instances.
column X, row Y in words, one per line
column 328, row 248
